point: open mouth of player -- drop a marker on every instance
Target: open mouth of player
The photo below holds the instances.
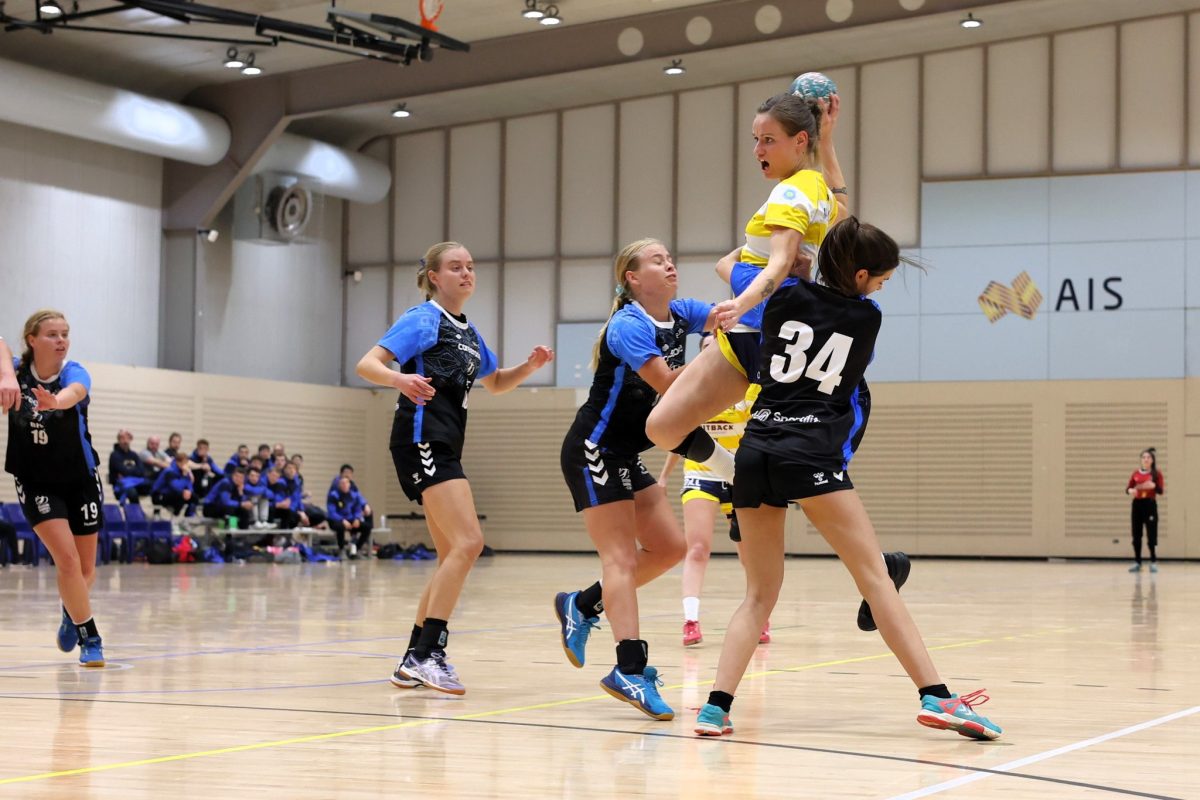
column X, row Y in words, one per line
column 764, row 165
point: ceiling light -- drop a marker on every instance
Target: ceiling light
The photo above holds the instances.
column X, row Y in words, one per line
column 675, row 67
column 401, row 111
column 232, row 60
column 532, row 11
column 49, row 8
column 250, row 69
column 550, row 16
column 969, row 21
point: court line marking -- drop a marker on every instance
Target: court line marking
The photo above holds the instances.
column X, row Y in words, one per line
column 461, row 717
column 662, row 735
column 938, row 788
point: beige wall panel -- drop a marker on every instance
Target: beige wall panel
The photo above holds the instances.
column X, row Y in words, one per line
column 475, row 188
column 846, row 133
column 1193, row 94
column 419, row 183
column 699, row 279
column 588, row 180
column 528, row 315
column 953, row 113
column 483, row 308
column 1084, row 116
column 586, row 290
column 704, row 213
column 530, row 186
column 1152, row 93
column 405, row 293
column 366, row 318
column 889, row 180
column 367, row 224
column 646, row 168
column 1018, row 99
column 752, row 187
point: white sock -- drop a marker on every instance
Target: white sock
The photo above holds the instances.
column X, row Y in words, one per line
column 720, row 463
column 691, row 609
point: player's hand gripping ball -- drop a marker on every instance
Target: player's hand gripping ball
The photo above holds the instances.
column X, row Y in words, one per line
column 813, row 86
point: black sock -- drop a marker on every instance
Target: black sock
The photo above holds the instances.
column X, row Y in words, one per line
column 433, row 637
column 938, row 690
column 632, row 655
column 590, row 601
column 721, row 700
column 697, row 446
column 86, row 629
column 414, row 637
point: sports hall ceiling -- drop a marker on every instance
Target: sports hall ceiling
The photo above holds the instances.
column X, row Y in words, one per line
column 549, row 78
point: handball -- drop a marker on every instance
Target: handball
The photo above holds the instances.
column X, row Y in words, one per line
column 813, row 86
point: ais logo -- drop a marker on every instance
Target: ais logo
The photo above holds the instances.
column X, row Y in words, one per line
column 1024, row 298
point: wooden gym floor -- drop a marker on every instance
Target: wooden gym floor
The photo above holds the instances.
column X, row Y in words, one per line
column 271, row 681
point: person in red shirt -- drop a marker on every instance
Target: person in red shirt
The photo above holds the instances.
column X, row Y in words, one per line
column 1145, row 485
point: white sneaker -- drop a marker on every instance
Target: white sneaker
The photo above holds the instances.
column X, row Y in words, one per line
column 434, row 672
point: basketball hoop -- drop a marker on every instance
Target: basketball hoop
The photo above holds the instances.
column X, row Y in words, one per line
column 428, row 18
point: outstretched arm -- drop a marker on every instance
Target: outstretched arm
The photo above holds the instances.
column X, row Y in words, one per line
column 509, row 378
column 10, row 390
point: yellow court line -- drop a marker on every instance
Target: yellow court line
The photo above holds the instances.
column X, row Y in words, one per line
column 242, row 748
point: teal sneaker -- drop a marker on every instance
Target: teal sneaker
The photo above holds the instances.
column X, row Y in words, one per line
column 713, row 721
column 91, row 652
column 956, row 714
column 68, row 634
column 576, row 628
column 640, row 691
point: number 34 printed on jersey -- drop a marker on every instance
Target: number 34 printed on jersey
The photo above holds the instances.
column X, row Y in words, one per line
column 826, row 366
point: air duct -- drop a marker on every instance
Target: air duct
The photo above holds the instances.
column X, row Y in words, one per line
column 337, row 172
column 64, row 104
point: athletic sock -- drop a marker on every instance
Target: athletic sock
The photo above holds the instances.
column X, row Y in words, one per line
column 590, row 601
column 433, row 637
column 414, row 637
column 86, row 628
column 938, row 690
column 632, row 655
column 722, row 700
column 691, row 609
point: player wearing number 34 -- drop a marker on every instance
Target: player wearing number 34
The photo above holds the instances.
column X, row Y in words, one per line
column 51, row 458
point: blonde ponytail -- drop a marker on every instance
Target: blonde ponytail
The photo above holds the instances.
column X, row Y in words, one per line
column 625, row 262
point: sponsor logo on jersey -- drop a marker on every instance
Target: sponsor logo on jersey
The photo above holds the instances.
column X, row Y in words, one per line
column 626, row 481
column 1023, row 298
column 43, row 504
column 466, row 348
column 819, row 479
column 720, row 428
column 775, row 418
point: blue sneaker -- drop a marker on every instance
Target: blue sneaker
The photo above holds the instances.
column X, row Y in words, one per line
column 956, row 714
column 640, row 691
column 576, row 628
column 91, row 652
column 68, row 635
column 713, row 721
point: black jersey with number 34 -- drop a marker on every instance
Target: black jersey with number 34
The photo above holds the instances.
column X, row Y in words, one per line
column 814, row 403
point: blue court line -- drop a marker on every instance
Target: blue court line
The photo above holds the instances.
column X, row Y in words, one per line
column 195, row 691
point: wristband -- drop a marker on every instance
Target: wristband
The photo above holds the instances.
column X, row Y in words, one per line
column 840, row 190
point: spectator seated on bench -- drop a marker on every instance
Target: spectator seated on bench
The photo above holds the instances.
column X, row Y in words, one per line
column 125, row 473
column 346, row 518
column 347, row 471
column 259, row 493
column 287, row 509
column 154, row 460
column 204, row 469
column 316, row 514
column 229, row 499
column 175, row 488
column 239, row 459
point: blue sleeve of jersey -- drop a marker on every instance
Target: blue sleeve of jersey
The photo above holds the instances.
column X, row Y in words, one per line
column 160, row 483
column 73, row 372
column 487, row 359
column 415, row 332
column 694, row 311
column 741, row 277
column 631, row 339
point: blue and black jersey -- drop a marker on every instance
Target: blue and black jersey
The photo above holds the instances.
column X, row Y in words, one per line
column 50, row 447
column 614, row 416
column 173, row 479
column 814, row 403
column 448, row 350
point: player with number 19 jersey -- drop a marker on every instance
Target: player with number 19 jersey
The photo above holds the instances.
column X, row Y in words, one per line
column 814, row 403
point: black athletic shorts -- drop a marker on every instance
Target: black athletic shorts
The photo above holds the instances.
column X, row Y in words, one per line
column 766, row 479
column 79, row 504
column 595, row 478
column 741, row 349
column 425, row 464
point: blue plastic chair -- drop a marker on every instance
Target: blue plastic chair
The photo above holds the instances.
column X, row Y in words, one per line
column 16, row 517
column 135, row 518
column 115, row 528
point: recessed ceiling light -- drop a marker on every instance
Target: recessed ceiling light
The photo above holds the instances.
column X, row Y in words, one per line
column 550, row 16
column 970, row 21
column 532, row 11
column 250, row 68
column 49, row 8
column 401, row 111
column 675, row 67
column 232, row 59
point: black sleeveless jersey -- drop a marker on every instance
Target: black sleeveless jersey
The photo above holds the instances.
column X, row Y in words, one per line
column 814, row 403
column 614, row 416
column 50, row 447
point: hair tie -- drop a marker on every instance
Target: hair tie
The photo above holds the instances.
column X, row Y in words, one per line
column 422, row 262
column 619, row 290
